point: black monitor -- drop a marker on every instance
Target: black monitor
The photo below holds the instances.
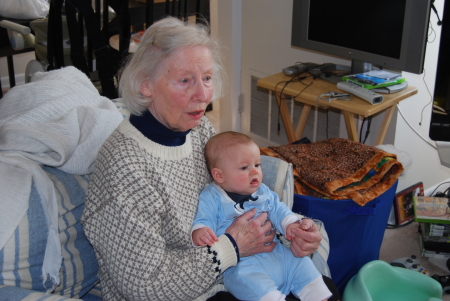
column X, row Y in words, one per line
column 440, row 117
column 390, row 34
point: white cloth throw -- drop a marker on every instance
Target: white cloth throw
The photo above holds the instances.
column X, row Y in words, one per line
column 59, row 119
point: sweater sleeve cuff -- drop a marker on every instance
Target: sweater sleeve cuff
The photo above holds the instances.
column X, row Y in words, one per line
column 235, row 246
column 226, row 251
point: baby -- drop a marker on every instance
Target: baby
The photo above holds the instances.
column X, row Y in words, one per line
column 234, row 162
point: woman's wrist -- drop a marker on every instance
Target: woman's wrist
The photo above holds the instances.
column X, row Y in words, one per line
column 224, row 252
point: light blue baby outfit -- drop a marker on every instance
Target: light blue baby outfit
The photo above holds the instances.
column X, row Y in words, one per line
column 257, row 275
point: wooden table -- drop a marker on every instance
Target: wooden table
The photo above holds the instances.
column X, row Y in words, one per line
column 350, row 108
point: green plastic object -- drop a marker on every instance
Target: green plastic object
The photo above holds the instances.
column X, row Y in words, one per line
column 379, row 281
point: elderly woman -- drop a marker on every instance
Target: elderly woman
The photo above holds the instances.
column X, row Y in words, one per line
column 144, row 191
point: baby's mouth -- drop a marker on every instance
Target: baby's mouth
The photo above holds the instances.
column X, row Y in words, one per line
column 254, row 181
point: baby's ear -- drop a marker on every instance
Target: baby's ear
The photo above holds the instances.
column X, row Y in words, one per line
column 217, row 175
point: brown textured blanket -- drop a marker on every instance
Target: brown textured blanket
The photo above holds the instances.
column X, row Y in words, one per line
column 339, row 169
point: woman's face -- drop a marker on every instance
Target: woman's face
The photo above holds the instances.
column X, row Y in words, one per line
column 183, row 89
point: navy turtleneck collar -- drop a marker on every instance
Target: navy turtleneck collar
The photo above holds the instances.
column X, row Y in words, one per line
column 151, row 128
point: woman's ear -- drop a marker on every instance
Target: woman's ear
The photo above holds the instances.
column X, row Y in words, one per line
column 146, row 89
column 217, row 175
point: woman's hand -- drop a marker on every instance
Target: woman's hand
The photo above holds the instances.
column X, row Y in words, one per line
column 252, row 235
column 306, row 240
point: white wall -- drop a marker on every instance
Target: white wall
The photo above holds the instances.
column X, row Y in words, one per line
column 228, row 31
column 265, row 38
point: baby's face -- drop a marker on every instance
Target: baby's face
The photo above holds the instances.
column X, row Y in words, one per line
column 241, row 169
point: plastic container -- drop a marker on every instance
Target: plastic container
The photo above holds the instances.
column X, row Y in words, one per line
column 379, row 281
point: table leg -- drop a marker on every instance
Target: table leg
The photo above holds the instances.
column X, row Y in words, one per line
column 302, row 121
column 284, row 111
column 351, row 126
column 385, row 125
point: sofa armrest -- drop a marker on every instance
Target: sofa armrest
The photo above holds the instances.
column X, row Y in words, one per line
column 18, row 294
column 320, row 257
column 278, row 177
column 22, row 257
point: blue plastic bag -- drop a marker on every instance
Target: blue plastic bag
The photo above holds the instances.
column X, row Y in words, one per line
column 355, row 233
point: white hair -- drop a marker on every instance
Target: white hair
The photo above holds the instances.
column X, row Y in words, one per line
column 159, row 42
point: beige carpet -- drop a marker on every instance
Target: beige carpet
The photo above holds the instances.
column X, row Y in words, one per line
column 404, row 242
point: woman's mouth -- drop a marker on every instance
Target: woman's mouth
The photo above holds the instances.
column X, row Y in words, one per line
column 196, row 114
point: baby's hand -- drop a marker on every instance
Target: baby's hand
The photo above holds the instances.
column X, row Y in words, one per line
column 204, row 236
column 289, row 235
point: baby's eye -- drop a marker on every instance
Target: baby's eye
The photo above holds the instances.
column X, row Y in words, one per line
column 244, row 168
column 257, row 165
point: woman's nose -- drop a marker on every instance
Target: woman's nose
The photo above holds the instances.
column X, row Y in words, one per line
column 202, row 93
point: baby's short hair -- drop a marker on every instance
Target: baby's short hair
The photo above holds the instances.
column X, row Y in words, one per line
column 218, row 144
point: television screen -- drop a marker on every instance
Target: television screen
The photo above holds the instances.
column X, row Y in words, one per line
column 388, row 34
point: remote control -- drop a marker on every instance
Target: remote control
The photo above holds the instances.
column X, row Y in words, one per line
column 405, row 262
column 410, row 263
column 369, row 96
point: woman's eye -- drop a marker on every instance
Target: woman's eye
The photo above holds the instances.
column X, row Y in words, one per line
column 208, row 78
column 184, row 80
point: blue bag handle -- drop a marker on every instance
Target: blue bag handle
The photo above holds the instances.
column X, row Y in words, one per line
column 365, row 210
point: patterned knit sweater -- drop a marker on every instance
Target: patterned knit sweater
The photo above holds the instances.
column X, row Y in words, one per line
column 139, row 211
